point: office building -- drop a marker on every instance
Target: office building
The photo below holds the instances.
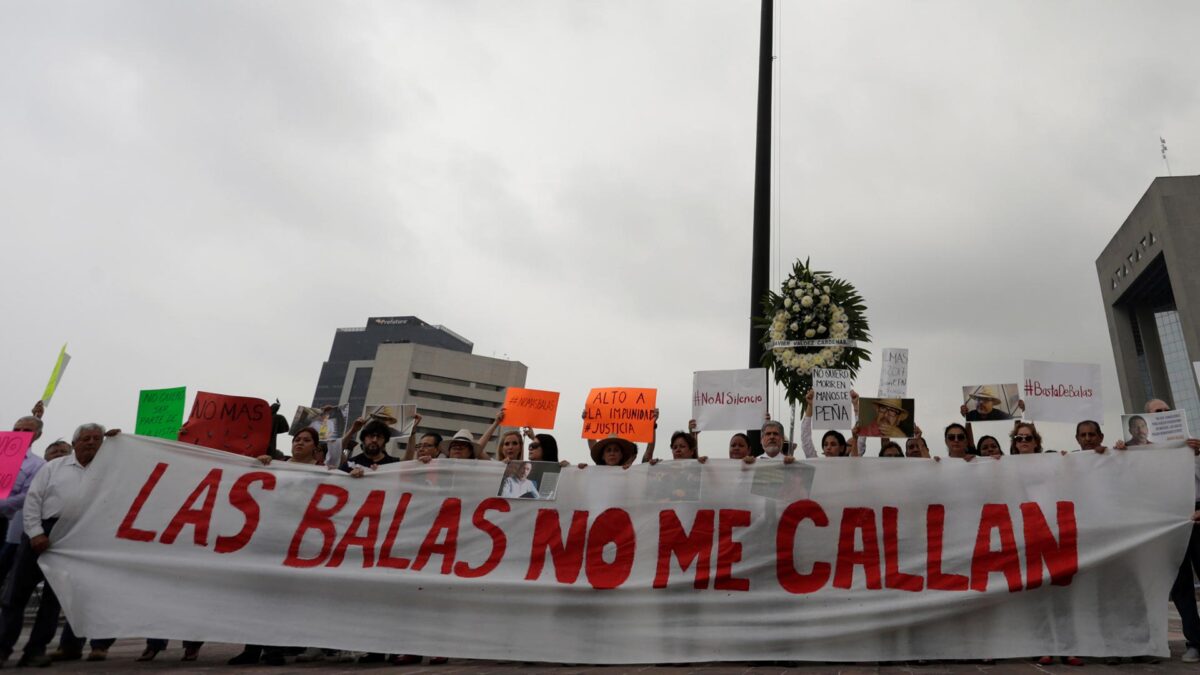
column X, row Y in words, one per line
column 1150, row 283
column 402, row 359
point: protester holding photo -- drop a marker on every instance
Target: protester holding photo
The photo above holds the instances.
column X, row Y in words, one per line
column 989, row 447
column 516, row 483
column 830, row 440
column 1025, row 439
column 1089, row 436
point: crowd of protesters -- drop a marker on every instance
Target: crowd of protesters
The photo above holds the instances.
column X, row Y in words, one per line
column 44, row 485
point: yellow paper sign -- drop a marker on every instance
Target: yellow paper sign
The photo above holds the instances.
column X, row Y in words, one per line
column 60, row 366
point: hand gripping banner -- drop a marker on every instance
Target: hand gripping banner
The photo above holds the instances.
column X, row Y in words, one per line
column 830, row 559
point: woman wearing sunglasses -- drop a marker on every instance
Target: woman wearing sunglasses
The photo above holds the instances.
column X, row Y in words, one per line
column 1025, row 439
column 957, row 444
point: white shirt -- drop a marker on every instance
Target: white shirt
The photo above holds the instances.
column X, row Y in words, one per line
column 10, row 507
column 55, row 485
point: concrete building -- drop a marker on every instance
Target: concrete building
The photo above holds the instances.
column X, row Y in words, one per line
column 405, row 360
column 1150, row 283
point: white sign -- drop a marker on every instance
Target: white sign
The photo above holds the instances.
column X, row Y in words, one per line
column 1062, row 392
column 831, row 399
column 1029, row 555
column 893, row 374
column 729, row 399
column 1155, row 430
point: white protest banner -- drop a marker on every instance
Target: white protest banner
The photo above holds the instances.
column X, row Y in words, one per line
column 1035, row 554
column 893, row 374
column 831, row 399
column 1159, row 430
column 729, row 399
column 1062, row 392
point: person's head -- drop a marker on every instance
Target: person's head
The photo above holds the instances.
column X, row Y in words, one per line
column 511, row 446
column 1025, row 439
column 59, row 448
column 613, row 451
column 889, row 412
column 430, row 445
column 375, row 435
column 1139, row 431
column 524, row 469
column 956, row 440
column 739, row 446
column 916, row 447
column 86, row 442
column 462, row 446
column 989, row 447
column 833, row 444
column 1157, row 405
column 304, row 446
column 543, row 448
column 771, row 438
column 891, row 449
column 1088, row 435
column 30, row 424
column 683, row 445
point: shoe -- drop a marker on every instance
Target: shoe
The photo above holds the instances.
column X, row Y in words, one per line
column 404, row 659
column 439, row 660
column 309, row 655
column 190, row 654
column 65, row 655
column 371, row 658
column 148, row 654
column 97, row 654
column 1073, row 661
column 34, row 661
column 1046, row 661
column 246, row 658
column 1192, row 655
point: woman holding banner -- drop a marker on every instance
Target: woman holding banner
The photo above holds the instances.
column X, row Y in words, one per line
column 990, row 447
column 683, row 446
column 833, row 443
column 1025, row 439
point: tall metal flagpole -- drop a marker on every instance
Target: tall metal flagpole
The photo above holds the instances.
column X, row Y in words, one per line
column 760, row 269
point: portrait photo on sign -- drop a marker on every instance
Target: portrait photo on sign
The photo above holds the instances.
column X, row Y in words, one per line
column 990, row 402
column 398, row 417
column 1159, row 430
column 675, row 481
column 329, row 421
column 530, row 480
column 783, row 482
column 886, row 417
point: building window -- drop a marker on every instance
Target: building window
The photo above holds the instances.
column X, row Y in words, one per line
column 1143, row 363
column 454, row 399
column 457, row 382
column 1179, row 366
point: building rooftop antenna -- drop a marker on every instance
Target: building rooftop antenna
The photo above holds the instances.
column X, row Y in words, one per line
column 1163, row 141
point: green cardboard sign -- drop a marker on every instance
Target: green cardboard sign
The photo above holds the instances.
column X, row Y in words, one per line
column 160, row 412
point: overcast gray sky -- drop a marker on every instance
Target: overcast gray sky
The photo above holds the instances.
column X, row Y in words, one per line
column 199, row 194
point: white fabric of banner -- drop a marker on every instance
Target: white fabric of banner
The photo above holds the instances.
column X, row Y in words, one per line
column 845, row 562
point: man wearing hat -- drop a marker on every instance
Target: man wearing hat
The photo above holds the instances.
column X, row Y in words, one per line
column 985, row 410
column 375, row 435
column 889, row 413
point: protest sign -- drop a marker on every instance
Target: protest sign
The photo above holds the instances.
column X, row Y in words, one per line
column 990, row 402
column 14, row 445
column 530, row 408
column 400, row 417
column 1062, row 392
column 231, row 423
column 893, row 373
column 60, row 367
column 729, row 399
column 530, row 480
column 886, row 417
column 1035, row 554
column 160, row 412
column 621, row 411
column 1160, row 430
column 832, row 408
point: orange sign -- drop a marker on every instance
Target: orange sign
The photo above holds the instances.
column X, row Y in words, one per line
column 235, row 424
column 628, row 413
column 530, row 408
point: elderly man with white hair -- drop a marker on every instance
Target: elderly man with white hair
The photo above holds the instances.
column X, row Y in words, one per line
column 56, row 484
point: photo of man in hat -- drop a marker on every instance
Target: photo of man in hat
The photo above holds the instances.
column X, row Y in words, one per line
column 887, row 417
column 989, row 402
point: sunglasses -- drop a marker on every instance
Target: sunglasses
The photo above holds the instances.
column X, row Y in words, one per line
column 956, row 437
column 534, row 446
column 1024, row 439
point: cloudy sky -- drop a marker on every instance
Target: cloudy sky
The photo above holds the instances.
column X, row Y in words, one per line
column 199, row 194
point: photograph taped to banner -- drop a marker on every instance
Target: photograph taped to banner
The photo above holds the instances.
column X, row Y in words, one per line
column 674, row 481
column 1160, row 430
column 524, row 479
column 783, row 482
